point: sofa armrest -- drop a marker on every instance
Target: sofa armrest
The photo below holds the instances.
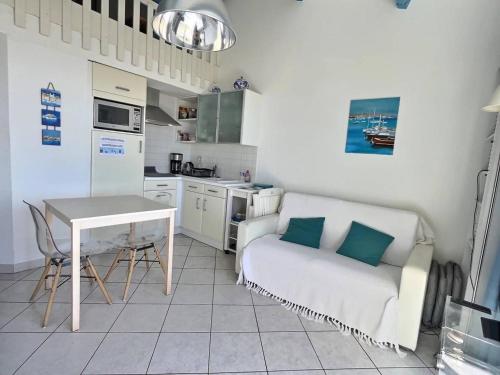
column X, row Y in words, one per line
column 251, row 229
column 412, row 293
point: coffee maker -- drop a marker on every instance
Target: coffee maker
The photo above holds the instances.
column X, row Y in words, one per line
column 175, row 163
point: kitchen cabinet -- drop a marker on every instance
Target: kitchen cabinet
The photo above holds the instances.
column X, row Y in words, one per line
column 206, row 125
column 163, row 190
column 115, row 84
column 204, row 212
column 213, row 218
column 229, row 117
column 192, row 211
column 168, row 197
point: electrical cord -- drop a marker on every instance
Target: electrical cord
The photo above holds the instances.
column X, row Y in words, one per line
column 474, row 227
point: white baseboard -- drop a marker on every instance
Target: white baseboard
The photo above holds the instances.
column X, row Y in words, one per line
column 22, row 266
column 27, row 265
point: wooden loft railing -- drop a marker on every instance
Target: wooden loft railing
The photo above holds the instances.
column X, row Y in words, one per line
column 119, row 26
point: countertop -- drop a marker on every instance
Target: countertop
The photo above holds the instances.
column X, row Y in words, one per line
column 216, row 181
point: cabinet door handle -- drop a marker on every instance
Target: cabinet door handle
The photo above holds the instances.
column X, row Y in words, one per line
column 197, row 203
column 140, row 147
column 193, row 187
column 204, row 204
column 162, row 195
column 161, row 185
column 122, row 88
column 212, row 191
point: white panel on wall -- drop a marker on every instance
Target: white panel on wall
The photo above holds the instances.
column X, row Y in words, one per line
column 39, row 171
column 6, row 231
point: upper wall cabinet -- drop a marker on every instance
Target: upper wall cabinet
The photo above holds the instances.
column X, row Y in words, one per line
column 229, row 117
column 116, row 84
column 206, row 126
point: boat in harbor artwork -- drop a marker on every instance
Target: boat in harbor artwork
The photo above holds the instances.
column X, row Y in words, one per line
column 372, row 126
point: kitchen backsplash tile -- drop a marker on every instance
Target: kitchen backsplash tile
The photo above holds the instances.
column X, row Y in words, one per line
column 230, row 159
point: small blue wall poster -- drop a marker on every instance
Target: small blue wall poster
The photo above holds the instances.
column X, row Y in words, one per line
column 371, row 127
column 51, row 137
column 51, row 117
column 50, row 98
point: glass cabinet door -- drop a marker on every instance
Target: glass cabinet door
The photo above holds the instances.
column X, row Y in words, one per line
column 206, row 126
column 230, row 117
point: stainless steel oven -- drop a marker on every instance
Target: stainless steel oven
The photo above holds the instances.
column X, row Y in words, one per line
column 118, row 116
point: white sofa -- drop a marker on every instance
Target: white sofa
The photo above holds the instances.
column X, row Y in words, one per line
column 382, row 305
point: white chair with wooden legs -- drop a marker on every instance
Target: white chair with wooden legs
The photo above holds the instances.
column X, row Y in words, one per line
column 58, row 254
column 138, row 241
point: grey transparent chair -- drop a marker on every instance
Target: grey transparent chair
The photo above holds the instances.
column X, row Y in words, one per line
column 58, row 253
column 151, row 235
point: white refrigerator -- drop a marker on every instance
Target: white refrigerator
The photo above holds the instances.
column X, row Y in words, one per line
column 117, row 169
column 117, row 163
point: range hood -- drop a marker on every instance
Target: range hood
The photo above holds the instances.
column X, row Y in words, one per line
column 154, row 114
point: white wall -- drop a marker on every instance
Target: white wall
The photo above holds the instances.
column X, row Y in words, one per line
column 6, row 250
column 309, row 59
column 38, row 171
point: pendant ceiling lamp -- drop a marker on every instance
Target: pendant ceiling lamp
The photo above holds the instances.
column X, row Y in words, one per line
column 200, row 25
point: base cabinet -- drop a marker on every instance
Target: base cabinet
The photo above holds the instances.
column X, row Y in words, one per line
column 192, row 211
column 168, row 197
column 204, row 213
column 213, row 220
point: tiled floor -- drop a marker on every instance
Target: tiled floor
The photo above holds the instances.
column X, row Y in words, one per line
column 208, row 325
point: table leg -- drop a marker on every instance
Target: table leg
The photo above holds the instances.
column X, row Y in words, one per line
column 75, row 276
column 170, row 252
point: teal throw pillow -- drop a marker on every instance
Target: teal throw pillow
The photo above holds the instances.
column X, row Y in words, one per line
column 365, row 244
column 305, row 231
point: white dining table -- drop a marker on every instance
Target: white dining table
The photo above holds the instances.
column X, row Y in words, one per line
column 97, row 212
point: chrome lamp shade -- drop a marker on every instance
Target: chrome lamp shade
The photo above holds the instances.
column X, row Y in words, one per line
column 200, row 25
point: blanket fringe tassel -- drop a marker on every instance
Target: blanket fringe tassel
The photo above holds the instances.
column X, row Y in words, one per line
column 321, row 318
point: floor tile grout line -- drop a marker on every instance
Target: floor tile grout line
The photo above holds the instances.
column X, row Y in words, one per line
column 310, row 342
column 103, row 338
column 258, row 330
column 363, row 349
column 22, row 311
column 163, row 323
column 50, row 335
column 111, row 326
column 211, row 315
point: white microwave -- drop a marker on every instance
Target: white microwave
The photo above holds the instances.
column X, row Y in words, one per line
column 117, row 116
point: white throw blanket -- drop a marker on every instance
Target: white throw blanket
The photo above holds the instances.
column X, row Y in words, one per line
column 324, row 286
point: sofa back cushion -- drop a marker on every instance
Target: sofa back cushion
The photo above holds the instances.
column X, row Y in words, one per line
column 339, row 214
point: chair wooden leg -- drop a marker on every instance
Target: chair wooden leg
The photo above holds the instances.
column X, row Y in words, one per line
column 148, row 265
column 52, row 295
column 131, row 266
column 88, row 272
column 45, row 272
column 114, row 264
column 99, row 281
column 162, row 263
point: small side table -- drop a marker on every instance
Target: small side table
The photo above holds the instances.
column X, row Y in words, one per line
column 464, row 349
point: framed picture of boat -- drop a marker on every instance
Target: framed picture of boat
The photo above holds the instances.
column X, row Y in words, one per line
column 371, row 128
column 50, row 97
column 51, row 117
column 51, row 137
